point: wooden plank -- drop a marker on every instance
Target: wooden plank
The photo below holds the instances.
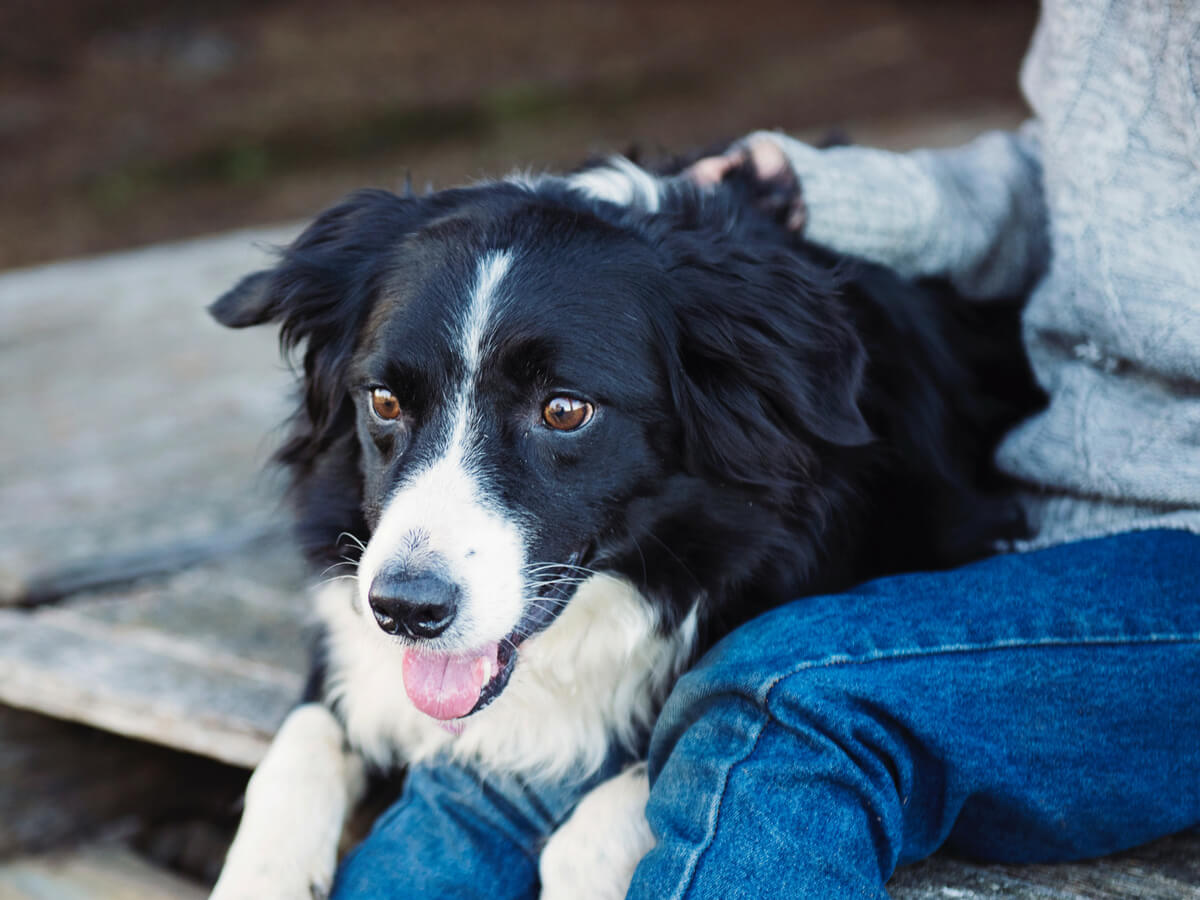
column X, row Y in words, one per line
column 139, row 692
column 118, row 569
column 1165, row 870
column 133, row 482
column 130, row 419
column 111, row 872
column 208, row 660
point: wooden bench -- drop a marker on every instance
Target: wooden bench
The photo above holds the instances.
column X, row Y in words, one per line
column 148, row 588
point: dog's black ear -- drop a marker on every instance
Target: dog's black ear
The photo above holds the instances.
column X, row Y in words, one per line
column 768, row 359
column 320, row 293
column 247, row 303
column 324, row 268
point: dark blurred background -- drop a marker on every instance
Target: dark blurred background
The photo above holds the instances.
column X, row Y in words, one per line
column 128, row 122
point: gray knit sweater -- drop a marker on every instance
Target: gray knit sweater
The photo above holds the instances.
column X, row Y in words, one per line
column 1093, row 208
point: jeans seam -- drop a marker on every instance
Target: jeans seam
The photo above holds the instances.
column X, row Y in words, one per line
column 955, row 649
column 689, row 875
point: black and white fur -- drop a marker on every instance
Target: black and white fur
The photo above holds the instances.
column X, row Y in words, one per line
column 768, row 422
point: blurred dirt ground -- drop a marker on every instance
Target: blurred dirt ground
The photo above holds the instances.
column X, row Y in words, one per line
column 124, row 122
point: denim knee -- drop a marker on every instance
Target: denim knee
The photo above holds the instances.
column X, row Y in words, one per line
column 783, row 781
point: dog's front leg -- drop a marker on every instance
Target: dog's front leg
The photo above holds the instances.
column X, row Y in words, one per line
column 296, row 804
column 593, row 854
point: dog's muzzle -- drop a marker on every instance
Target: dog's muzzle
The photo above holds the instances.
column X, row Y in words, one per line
column 449, row 685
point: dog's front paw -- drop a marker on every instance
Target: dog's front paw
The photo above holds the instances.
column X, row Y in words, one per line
column 286, row 844
column 593, row 855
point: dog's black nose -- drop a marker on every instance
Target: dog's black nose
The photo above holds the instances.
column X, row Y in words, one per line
column 418, row 605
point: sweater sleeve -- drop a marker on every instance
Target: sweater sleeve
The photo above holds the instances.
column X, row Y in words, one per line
column 973, row 214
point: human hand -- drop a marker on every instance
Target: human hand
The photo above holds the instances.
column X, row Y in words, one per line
column 781, row 196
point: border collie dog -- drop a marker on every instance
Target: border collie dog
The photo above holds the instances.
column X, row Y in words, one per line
column 574, row 429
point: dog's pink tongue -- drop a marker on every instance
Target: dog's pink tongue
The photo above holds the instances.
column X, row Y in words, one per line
column 445, row 685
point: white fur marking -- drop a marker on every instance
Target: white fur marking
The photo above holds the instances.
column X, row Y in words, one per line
column 492, row 269
column 593, row 854
column 445, row 506
column 619, row 181
column 296, row 803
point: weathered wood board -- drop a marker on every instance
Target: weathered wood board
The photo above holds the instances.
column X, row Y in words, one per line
column 208, row 660
column 98, row 872
column 134, row 486
column 1166, row 870
column 130, row 420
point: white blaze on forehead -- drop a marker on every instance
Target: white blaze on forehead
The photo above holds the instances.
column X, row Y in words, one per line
column 472, row 341
column 443, row 510
column 492, row 269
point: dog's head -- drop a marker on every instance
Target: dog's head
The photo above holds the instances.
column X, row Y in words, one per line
column 510, row 387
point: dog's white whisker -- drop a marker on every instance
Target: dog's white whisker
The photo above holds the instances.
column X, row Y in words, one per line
column 547, row 608
column 539, row 567
column 543, row 598
column 356, row 541
column 551, row 582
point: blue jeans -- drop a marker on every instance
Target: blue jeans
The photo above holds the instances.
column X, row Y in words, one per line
column 1040, row 706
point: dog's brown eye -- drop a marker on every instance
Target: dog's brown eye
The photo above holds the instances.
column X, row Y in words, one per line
column 385, row 404
column 566, row 413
